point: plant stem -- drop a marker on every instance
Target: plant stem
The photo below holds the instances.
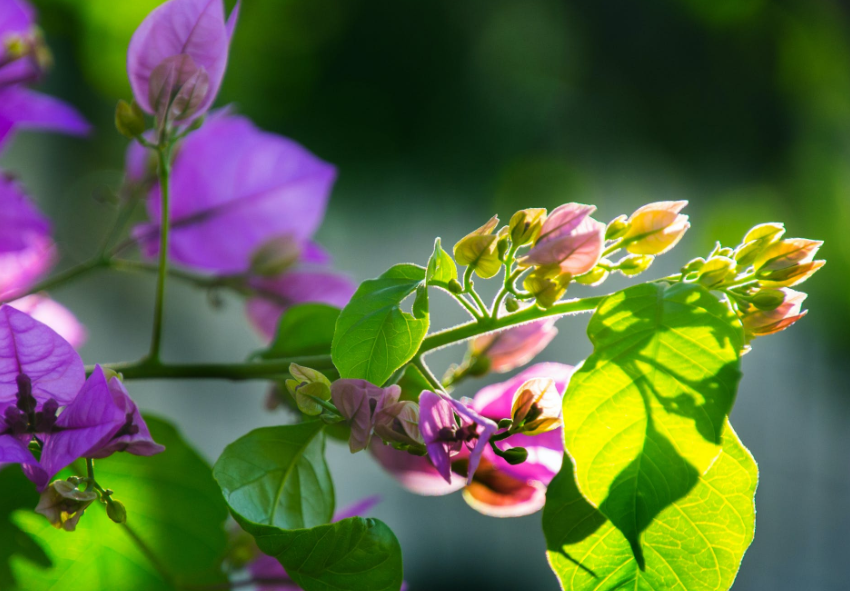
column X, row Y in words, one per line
column 467, row 306
column 148, row 369
column 472, row 329
column 426, row 372
column 164, row 151
column 66, row 276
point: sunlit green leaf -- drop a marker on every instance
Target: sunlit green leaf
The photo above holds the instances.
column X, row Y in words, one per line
column 695, row 543
column 305, row 329
column 18, row 493
column 647, row 409
column 173, row 505
column 278, row 476
column 354, row 554
column 374, row 337
column 441, row 267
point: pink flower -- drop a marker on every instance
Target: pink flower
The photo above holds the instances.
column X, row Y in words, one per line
column 447, row 426
column 191, row 32
column 569, row 239
column 500, row 489
column 358, row 401
column 759, row 323
column 234, row 188
column 508, row 349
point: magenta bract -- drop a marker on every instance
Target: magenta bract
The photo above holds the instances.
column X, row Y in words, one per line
column 195, row 28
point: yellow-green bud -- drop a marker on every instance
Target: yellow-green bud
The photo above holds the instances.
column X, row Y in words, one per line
column 768, row 299
column 129, row 119
column 305, row 384
column 635, row 264
column 479, row 250
column 617, row 228
column 116, row 511
column 547, row 284
column 593, row 277
column 511, row 304
column 716, row 271
column 525, row 225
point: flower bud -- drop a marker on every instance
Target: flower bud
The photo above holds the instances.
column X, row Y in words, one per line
column 725, row 251
column 547, row 284
column 511, row 304
column 275, row 256
column 177, row 88
column 790, row 276
column 455, row 287
column 716, row 271
column 693, row 265
column 768, row 299
column 786, row 253
column 399, row 423
column 536, row 407
column 479, row 250
column 129, row 119
column 514, row 455
column 594, row 277
column 634, row 264
column 360, row 402
column 759, row 323
column 503, row 242
column 116, row 511
column 306, row 383
column 63, row 504
column 755, row 241
column 617, row 228
column 569, row 239
column 656, row 228
column 525, row 225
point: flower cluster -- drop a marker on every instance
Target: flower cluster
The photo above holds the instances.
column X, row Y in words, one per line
column 522, row 413
column 569, row 245
column 49, row 409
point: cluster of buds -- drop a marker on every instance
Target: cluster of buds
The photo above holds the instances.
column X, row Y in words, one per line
column 63, row 503
column 569, row 245
column 758, row 276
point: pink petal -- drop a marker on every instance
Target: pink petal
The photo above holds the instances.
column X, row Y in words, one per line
column 29, row 347
column 20, row 270
column 21, row 108
column 20, row 220
column 192, row 27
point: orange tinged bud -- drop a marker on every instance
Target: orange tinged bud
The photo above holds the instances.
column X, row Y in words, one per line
column 656, row 228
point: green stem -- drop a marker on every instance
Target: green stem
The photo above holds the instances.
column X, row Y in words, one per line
column 472, row 329
column 426, row 372
column 148, row 369
column 66, row 276
column 164, row 152
column 467, row 306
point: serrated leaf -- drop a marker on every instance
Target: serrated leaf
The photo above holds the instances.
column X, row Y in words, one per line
column 278, row 476
column 374, row 337
column 353, row 554
column 305, row 329
column 173, row 505
column 652, row 399
column 695, row 543
column 441, row 267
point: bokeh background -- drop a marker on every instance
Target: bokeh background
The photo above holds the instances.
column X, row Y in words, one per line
column 439, row 114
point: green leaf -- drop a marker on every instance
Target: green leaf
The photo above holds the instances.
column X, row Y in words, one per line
column 173, row 506
column 18, row 493
column 695, row 543
column 441, row 268
column 652, row 400
column 374, row 337
column 353, row 554
column 278, row 476
column 305, row 329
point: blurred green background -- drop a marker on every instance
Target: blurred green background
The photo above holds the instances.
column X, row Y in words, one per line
column 439, row 114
